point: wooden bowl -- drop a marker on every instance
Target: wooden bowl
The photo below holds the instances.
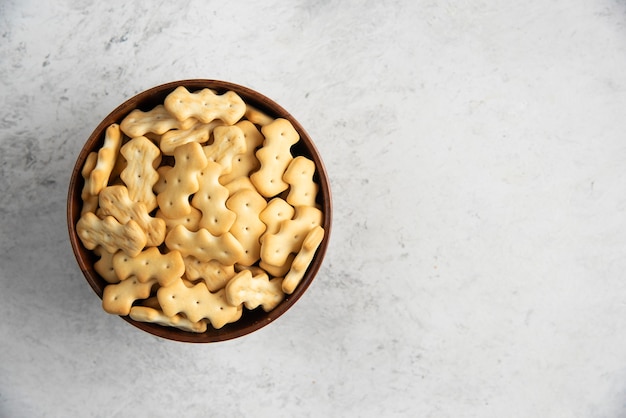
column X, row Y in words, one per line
column 251, row 320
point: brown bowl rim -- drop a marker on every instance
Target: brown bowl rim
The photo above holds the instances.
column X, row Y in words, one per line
column 255, row 320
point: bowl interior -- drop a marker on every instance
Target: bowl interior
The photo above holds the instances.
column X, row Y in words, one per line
column 251, row 320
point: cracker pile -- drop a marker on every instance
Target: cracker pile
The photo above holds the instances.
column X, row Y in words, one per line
column 198, row 210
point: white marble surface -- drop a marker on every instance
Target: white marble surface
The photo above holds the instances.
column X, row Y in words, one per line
column 477, row 152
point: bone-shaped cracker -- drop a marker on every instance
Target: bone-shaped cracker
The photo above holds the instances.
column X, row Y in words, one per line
column 299, row 176
column 276, row 247
column 182, row 180
column 155, row 316
column 107, row 154
column 90, row 202
column 104, row 266
column 303, row 259
column 204, row 246
column 247, row 228
column 275, row 155
column 115, row 201
column 150, row 264
column 110, row 234
column 200, row 133
column 139, row 174
column 228, row 142
column 276, row 211
column 254, row 291
column 214, row 273
column 205, row 105
column 246, row 162
column 210, row 199
column 157, row 121
column 118, row 298
column 197, row 303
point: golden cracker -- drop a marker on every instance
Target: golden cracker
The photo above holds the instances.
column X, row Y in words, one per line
column 115, row 201
column 204, row 246
column 210, row 199
column 150, row 264
column 205, row 105
column 276, row 247
column 156, row 121
column 107, row 155
column 139, row 175
column 197, row 303
column 228, row 142
column 303, row 259
column 254, row 291
column 118, row 298
column 182, row 180
column 247, row 204
column 155, row 316
column 275, row 155
column 110, row 234
column 299, row 176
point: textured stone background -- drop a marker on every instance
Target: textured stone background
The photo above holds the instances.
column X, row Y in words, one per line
column 477, row 154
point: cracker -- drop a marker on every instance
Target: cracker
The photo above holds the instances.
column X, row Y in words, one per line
column 254, row 291
column 156, row 121
column 104, row 266
column 205, row 105
column 275, row 155
column 155, row 316
column 139, row 175
column 303, row 259
column 214, row 273
column 228, row 142
column 198, row 303
column 246, row 162
column 115, row 201
column 99, row 176
column 299, row 176
column 110, row 234
column 182, row 180
column 90, row 202
column 210, row 199
column 276, row 247
column 150, row 264
column 200, row 133
column 118, row 298
column 276, row 211
column 204, row 246
column 247, row 204
column 257, row 116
